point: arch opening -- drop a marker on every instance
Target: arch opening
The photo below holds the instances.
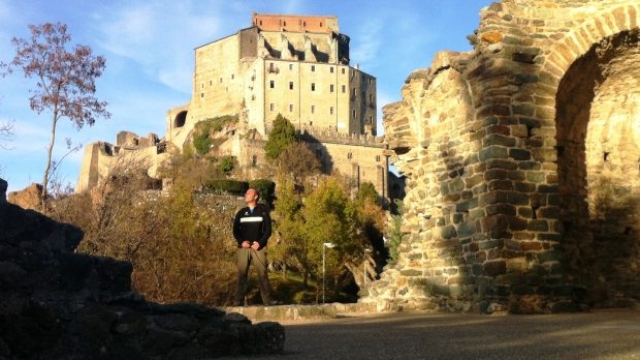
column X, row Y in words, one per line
column 598, row 149
column 180, row 120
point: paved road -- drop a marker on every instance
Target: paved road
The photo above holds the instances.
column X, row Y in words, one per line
column 613, row 334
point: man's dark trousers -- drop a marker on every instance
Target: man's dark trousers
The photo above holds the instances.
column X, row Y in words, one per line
column 245, row 257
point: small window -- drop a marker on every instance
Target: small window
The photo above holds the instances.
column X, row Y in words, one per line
column 350, row 156
column 313, row 68
column 310, row 123
column 210, row 82
column 290, row 107
column 342, row 71
column 233, row 76
column 331, row 110
column 344, row 89
column 220, row 80
column 285, row 23
column 313, row 86
column 331, row 69
column 272, row 84
column 290, row 66
column 271, row 107
column 378, row 158
column 201, row 85
column 313, row 109
column 331, row 88
column 290, row 85
column 354, row 114
column 201, row 95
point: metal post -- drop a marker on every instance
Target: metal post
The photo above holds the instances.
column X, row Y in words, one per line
column 323, row 271
column 324, row 246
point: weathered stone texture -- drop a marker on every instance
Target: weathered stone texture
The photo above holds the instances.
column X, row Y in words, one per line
column 523, row 164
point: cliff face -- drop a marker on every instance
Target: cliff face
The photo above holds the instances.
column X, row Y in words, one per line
column 523, row 170
column 56, row 304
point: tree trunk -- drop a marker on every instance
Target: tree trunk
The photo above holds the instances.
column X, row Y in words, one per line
column 47, row 169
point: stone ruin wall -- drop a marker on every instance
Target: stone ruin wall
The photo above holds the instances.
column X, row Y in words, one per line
column 523, row 165
column 131, row 153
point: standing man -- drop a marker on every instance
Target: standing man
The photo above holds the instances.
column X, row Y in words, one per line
column 251, row 229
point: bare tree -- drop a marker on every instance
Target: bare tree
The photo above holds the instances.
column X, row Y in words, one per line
column 6, row 133
column 65, row 80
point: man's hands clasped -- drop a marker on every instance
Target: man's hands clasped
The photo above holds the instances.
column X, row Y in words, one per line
column 255, row 245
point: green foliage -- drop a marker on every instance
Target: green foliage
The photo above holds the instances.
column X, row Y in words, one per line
column 228, row 186
column 286, row 224
column 282, row 135
column 226, row 164
column 202, row 140
column 326, row 220
column 395, row 233
column 367, row 191
column 218, row 123
column 180, row 246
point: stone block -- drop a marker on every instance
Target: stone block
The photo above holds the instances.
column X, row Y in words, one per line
column 494, row 152
column 538, row 225
column 503, row 209
column 467, row 228
column 519, row 154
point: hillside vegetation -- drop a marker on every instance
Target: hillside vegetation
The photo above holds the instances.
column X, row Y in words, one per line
column 179, row 240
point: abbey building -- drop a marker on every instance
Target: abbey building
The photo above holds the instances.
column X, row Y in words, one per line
column 294, row 65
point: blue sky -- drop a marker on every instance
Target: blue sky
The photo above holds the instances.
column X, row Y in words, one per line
column 149, row 50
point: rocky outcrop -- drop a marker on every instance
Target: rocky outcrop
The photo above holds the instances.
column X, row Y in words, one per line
column 57, row 304
column 27, row 198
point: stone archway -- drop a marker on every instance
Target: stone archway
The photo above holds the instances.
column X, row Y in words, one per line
column 180, row 119
column 514, row 228
column 598, row 143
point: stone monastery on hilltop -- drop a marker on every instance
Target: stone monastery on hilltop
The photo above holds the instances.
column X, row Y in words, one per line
column 293, row 65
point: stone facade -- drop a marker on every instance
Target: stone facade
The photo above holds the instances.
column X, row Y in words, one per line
column 131, row 152
column 293, row 65
column 523, row 165
column 300, row 70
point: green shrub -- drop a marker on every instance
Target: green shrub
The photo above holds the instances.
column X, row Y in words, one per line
column 228, row 186
column 201, row 139
column 226, row 164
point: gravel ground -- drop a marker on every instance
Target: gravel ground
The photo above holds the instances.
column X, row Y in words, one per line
column 611, row 334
